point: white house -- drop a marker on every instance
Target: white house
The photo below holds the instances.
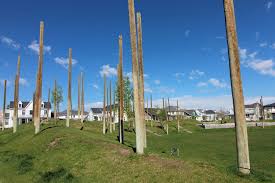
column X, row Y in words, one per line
column 269, row 111
column 63, row 115
column 209, row 115
column 25, row 111
column 253, row 112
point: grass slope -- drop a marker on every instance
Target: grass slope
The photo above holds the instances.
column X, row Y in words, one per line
column 60, row 154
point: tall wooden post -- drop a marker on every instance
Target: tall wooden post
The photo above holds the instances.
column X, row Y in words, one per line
column 237, row 91
column 4, row 105
column 82, row 99
column 151, row 110
column 262, row 110
column 115, row 108
column 16, row 93
column 141, row 74
column 104, row 106
column 111, row 116
column 48, row 106
column 169, row 109
column 121, row 92
column 139, row 123
column 69, row 99
column 38, row 90
column 178, row 116
column 107, row 109
column 78, row 98
column 55, row 101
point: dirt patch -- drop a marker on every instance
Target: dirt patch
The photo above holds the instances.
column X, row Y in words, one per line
column 54, row 143
column 162, row 162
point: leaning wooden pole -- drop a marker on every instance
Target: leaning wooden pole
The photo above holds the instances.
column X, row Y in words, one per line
column 55, row 101
column 139, row 125
column 69, row 99
column 237, row 90
column 82, row 99
column 4, row 105
column 48, row 106
column 121, row 92
column 16, row 93
column 104, row 106
column 141, row 74
column 111, row 116
column 38, row 90
column 78, row 97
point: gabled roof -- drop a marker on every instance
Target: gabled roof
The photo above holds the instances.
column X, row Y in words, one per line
column 74, row 113
column 270, row 105
column 26, row 103
column 210, row 112
column 252, row 105
column 97, row 110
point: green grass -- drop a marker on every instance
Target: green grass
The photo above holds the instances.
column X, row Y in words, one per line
column 60, row 154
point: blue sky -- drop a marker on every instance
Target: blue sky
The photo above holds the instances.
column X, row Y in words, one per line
column 184, row 44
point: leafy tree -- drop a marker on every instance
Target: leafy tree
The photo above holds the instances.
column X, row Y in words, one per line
column 57, row 96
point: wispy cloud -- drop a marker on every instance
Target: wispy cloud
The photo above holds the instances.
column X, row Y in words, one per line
column 23, row 82
column 195, row 74
column 95, row 86
column 213, row 82
column 10, row 42
column 64, row 62
column 264, row 44
column 187, row 33
column 269, row 5
column 108, row 71
column 34, row 46
column 273, row 46
column 179, row 76
column 157, row 82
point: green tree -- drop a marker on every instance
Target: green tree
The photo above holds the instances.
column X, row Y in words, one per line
column 57, row 96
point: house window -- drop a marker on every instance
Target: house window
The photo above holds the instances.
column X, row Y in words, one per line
column 45, row 112
column 30, row 112
column 42, row 105
column 7, row 115
column 20, row 105
column 23, row 112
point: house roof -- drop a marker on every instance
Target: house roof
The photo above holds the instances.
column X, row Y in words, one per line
column 74, row 113
column 252, row 105
column 191, row 112
column 210, row 112
column 97, row 110
column 171, row 108
column 26, row 103
column 270, row 105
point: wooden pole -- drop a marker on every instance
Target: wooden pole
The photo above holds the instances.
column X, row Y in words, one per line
column 69, row 99
column 38, row 90
column 111, row 116
column 104, row 106
column 16, row 93
column 178, row 116
column 82, row 99
column 78, row 98
column 114, row 125
column 139, row 124
column 151, row 110
column 169, row 109
column 237, row 91
column 55, row 101
column 4, row 105
column 262, row 111
column 48, row 106
column 108, row 109
column 141, row 74
column 121, row 92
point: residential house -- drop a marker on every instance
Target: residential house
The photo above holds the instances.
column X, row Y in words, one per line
column 269, row 111
column 96, row 114
column 209, row 115
column 74, row 115
column 25, row 112
column 253, row 112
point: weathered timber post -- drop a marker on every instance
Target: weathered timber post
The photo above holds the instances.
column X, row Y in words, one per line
column 178, row 116
column 16, row 93
column 33, row 106
column 69, row 99
column 4, row 105
column 141, row 73
column 78, row 97
column 55, row 101
column 38, row 90
column 121, row 92
column 140, row 139
column 151, row 110
column 107, row 108
column 104, row 106
column 237, row 91
column 111, row 116
column 114, row 124
column 48, row 106
column 82, row 99
column 147, row 110
column 262, row 110
column 169, row 109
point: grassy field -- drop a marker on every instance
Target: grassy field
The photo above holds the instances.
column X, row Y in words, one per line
column 60, row 154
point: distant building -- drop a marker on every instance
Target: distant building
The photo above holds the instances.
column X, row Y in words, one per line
column 209, row 115
column 253, row 112
column 74, row 115
column 269, row 111
column 25, row 112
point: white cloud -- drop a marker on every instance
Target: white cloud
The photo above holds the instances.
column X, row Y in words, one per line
column 88, row 106
column 264, row 67
column 64, row 62
column 95, row 86
column 264, row 44
column 243, row 53
column 34, row 46
column 195, row 74
column 217, row 83
column 157, row 82
column 202, row 84
column 273, row 46
column 187, row 33
column 269, row 5
column 23, row 82
column 10, row 42
column 108, row 71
